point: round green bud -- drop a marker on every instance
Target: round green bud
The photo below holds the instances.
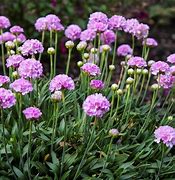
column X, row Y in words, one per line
column 105, row 48
column 51, row 50
column 138, row 71
column 129, row 80
column 79, row 63
column 81, row 45
column 69, row 44
column 119, row 92
column 114, row 87
column 128, row 57
column 111, row 67
column 145, row 71
column 15, row 74
column 128, row 86
column 86, row 56
column 12, row 52
column 9, row 45
column 130, row 71
column 56, row 96
column 123, row 63
column 150, row 63
column 154, row 86
column 93, row 50
column 170, row 118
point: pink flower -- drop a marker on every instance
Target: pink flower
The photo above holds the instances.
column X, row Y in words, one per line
column 22, row 86
column 7, row 98
column 14, row 61
column 4, row 80
column 16, row 30
column 172, row 70
column 73, row 32
column 131, row 25
column 4, row 22
column 141, row 31
column 137, row 61
column 91, row 69
column 32, row 113
column 117, row 22
column 159, row 67
column 60, row 82
column 150, row 42
column 171, row 58
column 30, row 68
column 108, row 37
column 7, row 36
column 21, row 38
column 96, row 105
column 41, row 24
column 113, row 132
column 88, row 35
column 124, row 50
column 166, row 134
column 166, row 81
column 96, row 84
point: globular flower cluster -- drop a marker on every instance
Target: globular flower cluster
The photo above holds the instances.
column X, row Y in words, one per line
column 91, row 69
column 166, row 81
column 41, row 24
column 96, row 105
column 166, row 134
column 6, row 36
column 137, row 61
column 16, row 30
column 4, row 80
column 32, row 113
column 172, row 70
column 171, row 58
column 14, row 61
column 31, row 47
column 4, row 22
column 124, row 50
column 22, row 86
column 108, row 37
column 7, row 98
column 159, row 67
column 30, row 68
column 117, row 22
column 150, row 42
column 73, row 32
column 97, row 84
column 61, row 82
column 88, row 35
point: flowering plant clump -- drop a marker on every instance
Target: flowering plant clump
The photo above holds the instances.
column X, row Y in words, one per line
column 114, row 120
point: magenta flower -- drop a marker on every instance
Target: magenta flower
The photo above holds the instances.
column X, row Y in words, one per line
column 166, row 81
column 150, row 42
column 166, row 134
column 91, row 69
column 117, row 23
column 22, row 86
column 4, row 22
column 159, row 67
column 41, row 24
column 97, row 84
column 73, row 32
column 96, row 105
column 137, row 61
column 7, row 36
column 141, row 31
column 131, row 25
column 4, row 80
column 7, row 98
column 31, row 46
column 88, row 35
column 16, row 30
column 14, row 61
column 108, row 37
column 172, row 70
column 21, row 38
column 61, row 82
column 124, row 50
column 32, row 113
column 30, row 68
column 171, row 58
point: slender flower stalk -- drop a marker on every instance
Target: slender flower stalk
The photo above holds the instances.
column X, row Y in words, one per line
column 68, row 61
column 3, row 56
column 114, row 50
column 29, row 148
column 42, row 41
column 55, row 55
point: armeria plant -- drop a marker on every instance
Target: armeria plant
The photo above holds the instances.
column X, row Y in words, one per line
column 98, row 126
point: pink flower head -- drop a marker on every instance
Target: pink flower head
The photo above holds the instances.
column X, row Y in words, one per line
column 16, row 30
column 97, row 84
column 172, row 70
column 60, row 82
column 141, row 31
column 4, row 80
column 131, row 25
column 159, row 67
column 88, row 35
column 32, row 113
column 98, row 21
column 150, row 42
column 30, row 68
column 96, row 105
column 166, row 134
column 14, row 61
column 117, row 22
column 41, row 24
column 7, row 36
column 22, row 86
column 124, row 50
column 4, row 22
column 31, row 46
column 7, row 98
column 21, row 38
column 137, row 61
column 54, row 23
column 73, row 32
column 91, row 69
column 166, row 81
column 108, row 37
column 171, row 58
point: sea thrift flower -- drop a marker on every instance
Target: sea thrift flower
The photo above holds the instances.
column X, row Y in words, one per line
column 61, row 82
column 113, row 132
column 171, row 58
column 7, row 36
column 108, row 37
column 98, row 21
column 117, row 22
column 124, row 50
column 53, row 23
column 141, row 31
column 91, row 69
column 21, row 38
column 22, row 86
column 150, row 42
column 14, row 61
column 96, row 84
column 4, row 80
column 73, row 32
column 131, row 25
column 159, row 67
column 137, row 62
column 16, row 30
column 166, row 81
column 88, row 35
column 32, row 113
column 30, row 68
column 7, row 98
column 166, row 134
column 57, row 96
column 41, row 24
column 96, row 105
column 31, row 46
column 4, row 22
column 172, row 70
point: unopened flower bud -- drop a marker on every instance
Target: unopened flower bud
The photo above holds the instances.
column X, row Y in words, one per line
column 93, row 50
column 150, row 63
column 12, row 52
column 129, row 80
column 51, row 50
column 81, row 45
column 155, row 87
column 105, row 48
column 119, row 91
column 15, row 74
column 128, row 56
column 123, row 63
column 79, row 63
column 16, row 41
column 111, row 67
column 170, row 118
column 9, row 45
column 128, row 86
column 19, row 49
column 69, row 44
column 130, row 71
column 114, row 87
column 145, row 71
column 86, row 56
column 138, row 71
column 56, row 96
column 113, row 132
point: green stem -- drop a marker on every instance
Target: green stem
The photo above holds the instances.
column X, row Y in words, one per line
column 3, row 56
column 115, row 46
column 133, row 43
column 68, row 61
column 141, row 88
column 55, row 55
column 99, row 42
column 29, row 149
column 51, row 66
column 42, row 41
